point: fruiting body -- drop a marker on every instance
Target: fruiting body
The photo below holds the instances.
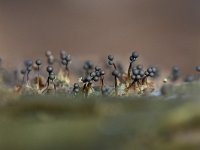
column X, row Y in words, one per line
column 51, row 60
column 49, row 69
column 111, row 61
column 63, row 54
column 29, row 69
column 110, row 57
column 133, row 58
column 50, row 57
column 96, row 78
column 76, row 88
column 105, row 91
column 88, row 66
column 151, row 71
column 65, row 60
column 116, row 75
column 28, row 63
column 38, row 62
column 189, row 78
column 51, row 77
column 48, row 53
column 176, row 73
column 87, row 84
column 137, row 77
column 198, row 68
column 23, row 71
column 76, row 85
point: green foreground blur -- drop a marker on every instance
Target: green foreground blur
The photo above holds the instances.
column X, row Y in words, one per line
column 134, row 123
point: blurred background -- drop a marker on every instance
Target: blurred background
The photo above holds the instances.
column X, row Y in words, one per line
column 164, row 32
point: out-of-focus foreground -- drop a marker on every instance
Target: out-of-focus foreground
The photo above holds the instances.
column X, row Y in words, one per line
column 56, row 122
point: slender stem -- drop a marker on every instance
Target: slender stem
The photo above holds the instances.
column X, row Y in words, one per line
column 67, row 70
column 138, row 83
column 129, row 70
column 38, row 69
column 116, row 90
column 23, row 81
column 27, row 77
column 47, row 83
column 130, row 85
column 84, row 87
column 144, row 80
column 73, row 91
column 102, row 85
column 114, row 66
column 54, row 85
column 88, row 89
column 38, row 76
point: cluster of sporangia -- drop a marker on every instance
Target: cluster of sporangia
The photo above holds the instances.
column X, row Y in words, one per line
column 135, row 79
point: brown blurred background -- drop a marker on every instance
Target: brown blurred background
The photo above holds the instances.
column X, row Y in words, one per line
column 164, row 32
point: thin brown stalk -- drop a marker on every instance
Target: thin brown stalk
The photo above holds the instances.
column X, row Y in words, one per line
column 116, row 89
column 129, row 70
column 102, row 85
